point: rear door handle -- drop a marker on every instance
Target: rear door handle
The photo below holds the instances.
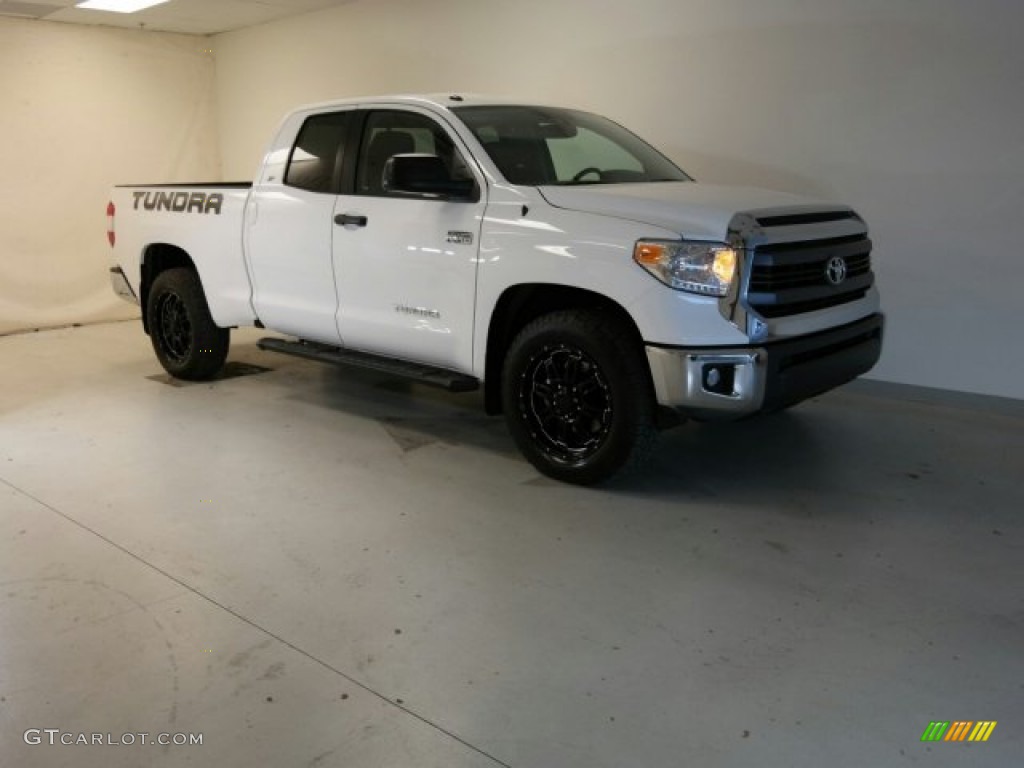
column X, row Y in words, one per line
column 346, row 219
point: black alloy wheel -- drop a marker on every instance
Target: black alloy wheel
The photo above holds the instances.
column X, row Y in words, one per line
column 566, row 403
column 174, row 327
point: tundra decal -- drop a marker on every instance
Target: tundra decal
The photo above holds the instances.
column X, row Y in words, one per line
column 179, row 202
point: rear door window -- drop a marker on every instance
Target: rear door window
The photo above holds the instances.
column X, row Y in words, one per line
column 316, row 159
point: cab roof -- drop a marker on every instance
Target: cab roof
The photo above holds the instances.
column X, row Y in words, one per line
column 436, row 100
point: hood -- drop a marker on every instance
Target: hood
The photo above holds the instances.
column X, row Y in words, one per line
column 695, row 211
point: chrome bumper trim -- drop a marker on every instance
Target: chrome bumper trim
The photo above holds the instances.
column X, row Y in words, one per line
column 679, row 379
column 735, row 382
column 121, row 285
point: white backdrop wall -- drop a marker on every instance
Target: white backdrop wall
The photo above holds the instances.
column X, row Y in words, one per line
column 908, row 109
column 81, row 109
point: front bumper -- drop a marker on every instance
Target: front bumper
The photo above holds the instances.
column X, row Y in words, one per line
column 121, row 285
column 731, row 382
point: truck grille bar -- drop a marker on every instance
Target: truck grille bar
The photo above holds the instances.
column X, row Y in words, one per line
column 789, row 278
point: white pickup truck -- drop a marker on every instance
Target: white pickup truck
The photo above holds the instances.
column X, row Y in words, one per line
column 593, row 289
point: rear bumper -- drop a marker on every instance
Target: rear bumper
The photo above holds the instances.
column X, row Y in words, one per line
column 733, row 382
column 121, row 285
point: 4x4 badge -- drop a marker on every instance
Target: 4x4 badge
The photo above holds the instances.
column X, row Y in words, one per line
column 460, row 238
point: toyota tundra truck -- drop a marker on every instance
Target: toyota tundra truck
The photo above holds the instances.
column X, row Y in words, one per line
column 593, row 290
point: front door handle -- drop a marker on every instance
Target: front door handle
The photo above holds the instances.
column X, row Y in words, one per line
column 346, row 219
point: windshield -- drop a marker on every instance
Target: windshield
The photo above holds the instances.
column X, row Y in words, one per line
column 535, row 146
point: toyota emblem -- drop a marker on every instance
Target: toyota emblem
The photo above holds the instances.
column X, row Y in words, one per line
column 835, row 270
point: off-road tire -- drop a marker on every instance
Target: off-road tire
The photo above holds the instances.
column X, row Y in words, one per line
column 577, row 397
column 188, row 344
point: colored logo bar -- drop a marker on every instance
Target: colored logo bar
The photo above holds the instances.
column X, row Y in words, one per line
column 958, row 730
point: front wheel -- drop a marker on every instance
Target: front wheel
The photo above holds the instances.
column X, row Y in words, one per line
column 577, row 397
column 188, row 344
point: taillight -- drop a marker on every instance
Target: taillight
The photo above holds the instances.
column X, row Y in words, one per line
column 110, row 223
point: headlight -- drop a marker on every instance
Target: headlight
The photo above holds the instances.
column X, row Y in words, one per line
column 705, row 268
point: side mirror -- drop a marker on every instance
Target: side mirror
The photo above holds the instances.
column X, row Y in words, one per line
column 421, row 174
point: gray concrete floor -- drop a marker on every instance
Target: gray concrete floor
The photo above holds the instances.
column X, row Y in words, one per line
column 318, row 567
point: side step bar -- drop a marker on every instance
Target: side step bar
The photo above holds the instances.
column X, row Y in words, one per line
column 324, row 353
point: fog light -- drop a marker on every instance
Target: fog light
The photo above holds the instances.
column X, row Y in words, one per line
column 719, row 378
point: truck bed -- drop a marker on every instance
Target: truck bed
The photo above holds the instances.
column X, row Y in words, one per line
column 191, row 184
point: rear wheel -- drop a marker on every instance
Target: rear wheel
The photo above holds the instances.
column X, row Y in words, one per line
column 188, row 344
column 577, row 398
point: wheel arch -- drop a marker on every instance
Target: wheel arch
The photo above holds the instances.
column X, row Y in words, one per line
column 156, row 259
column 519, row 305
